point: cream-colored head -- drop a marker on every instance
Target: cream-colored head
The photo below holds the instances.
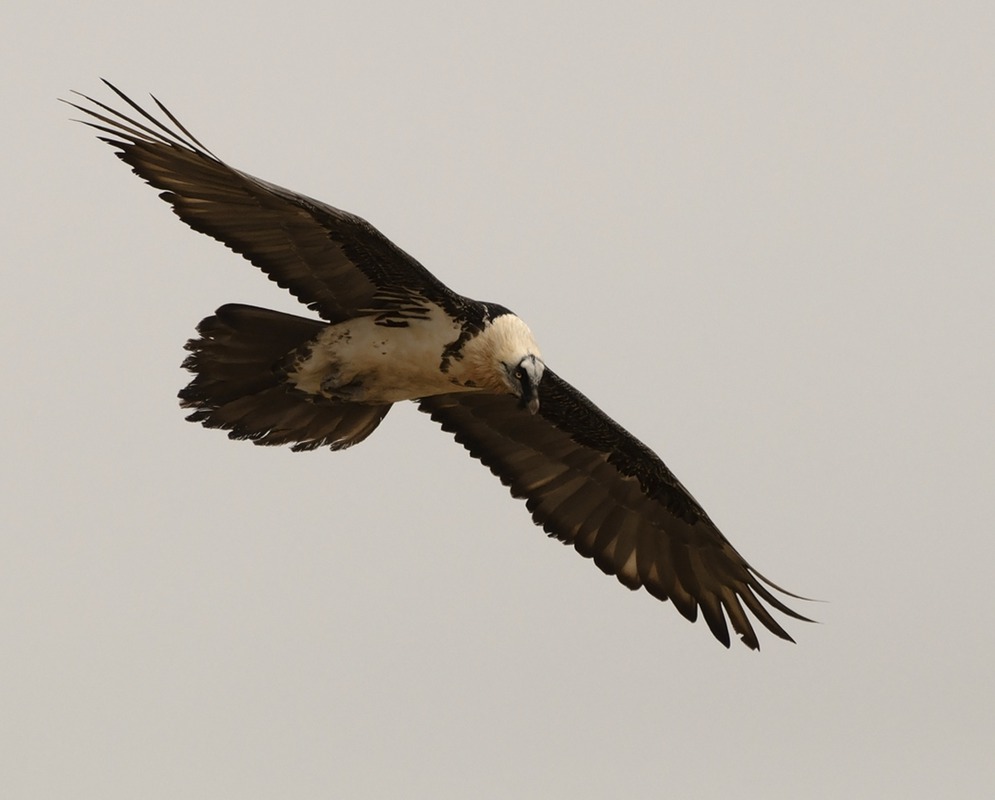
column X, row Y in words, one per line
column 506, row 358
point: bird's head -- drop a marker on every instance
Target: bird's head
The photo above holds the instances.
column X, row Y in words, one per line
column 505, row 358
column 523, row 380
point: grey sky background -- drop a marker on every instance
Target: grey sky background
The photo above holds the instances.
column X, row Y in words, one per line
column 758, row 235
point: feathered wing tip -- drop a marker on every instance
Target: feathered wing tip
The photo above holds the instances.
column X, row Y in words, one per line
column 117, row 124
column 239, row 385
column 693, row 567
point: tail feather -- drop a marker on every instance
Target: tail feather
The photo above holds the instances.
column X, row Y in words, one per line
column 240, row 385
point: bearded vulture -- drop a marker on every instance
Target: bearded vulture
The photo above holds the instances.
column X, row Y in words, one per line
column 391, row 331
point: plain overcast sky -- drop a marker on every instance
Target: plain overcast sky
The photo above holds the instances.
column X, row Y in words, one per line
column 761, row 236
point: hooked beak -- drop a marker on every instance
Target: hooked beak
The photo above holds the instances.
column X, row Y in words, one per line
column 530, row 399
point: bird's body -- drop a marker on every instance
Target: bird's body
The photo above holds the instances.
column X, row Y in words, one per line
column 365, row 361
column 392, row 332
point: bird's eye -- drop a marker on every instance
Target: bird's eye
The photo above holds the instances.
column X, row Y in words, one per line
column 519, row 374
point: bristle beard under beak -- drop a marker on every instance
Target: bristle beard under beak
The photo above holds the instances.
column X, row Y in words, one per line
column 531, row 403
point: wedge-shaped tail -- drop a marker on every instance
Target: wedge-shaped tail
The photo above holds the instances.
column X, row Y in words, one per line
column 240, row 363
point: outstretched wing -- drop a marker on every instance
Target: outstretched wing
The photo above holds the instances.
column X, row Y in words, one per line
column 335, row 262
column 590, row 483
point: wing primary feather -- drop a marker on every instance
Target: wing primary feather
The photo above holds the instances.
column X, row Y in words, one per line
column 774, row 601
column 711, row 610
column 762, row 614
column 740, row 622
column 186, row 132
column 134, row 128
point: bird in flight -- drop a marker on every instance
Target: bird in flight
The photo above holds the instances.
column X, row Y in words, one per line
column 391, row 331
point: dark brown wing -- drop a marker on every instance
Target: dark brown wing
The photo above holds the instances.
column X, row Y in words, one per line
column 335, row 262
column 590, row 483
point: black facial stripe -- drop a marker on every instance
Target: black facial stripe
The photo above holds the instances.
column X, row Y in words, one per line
column 528, row 389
